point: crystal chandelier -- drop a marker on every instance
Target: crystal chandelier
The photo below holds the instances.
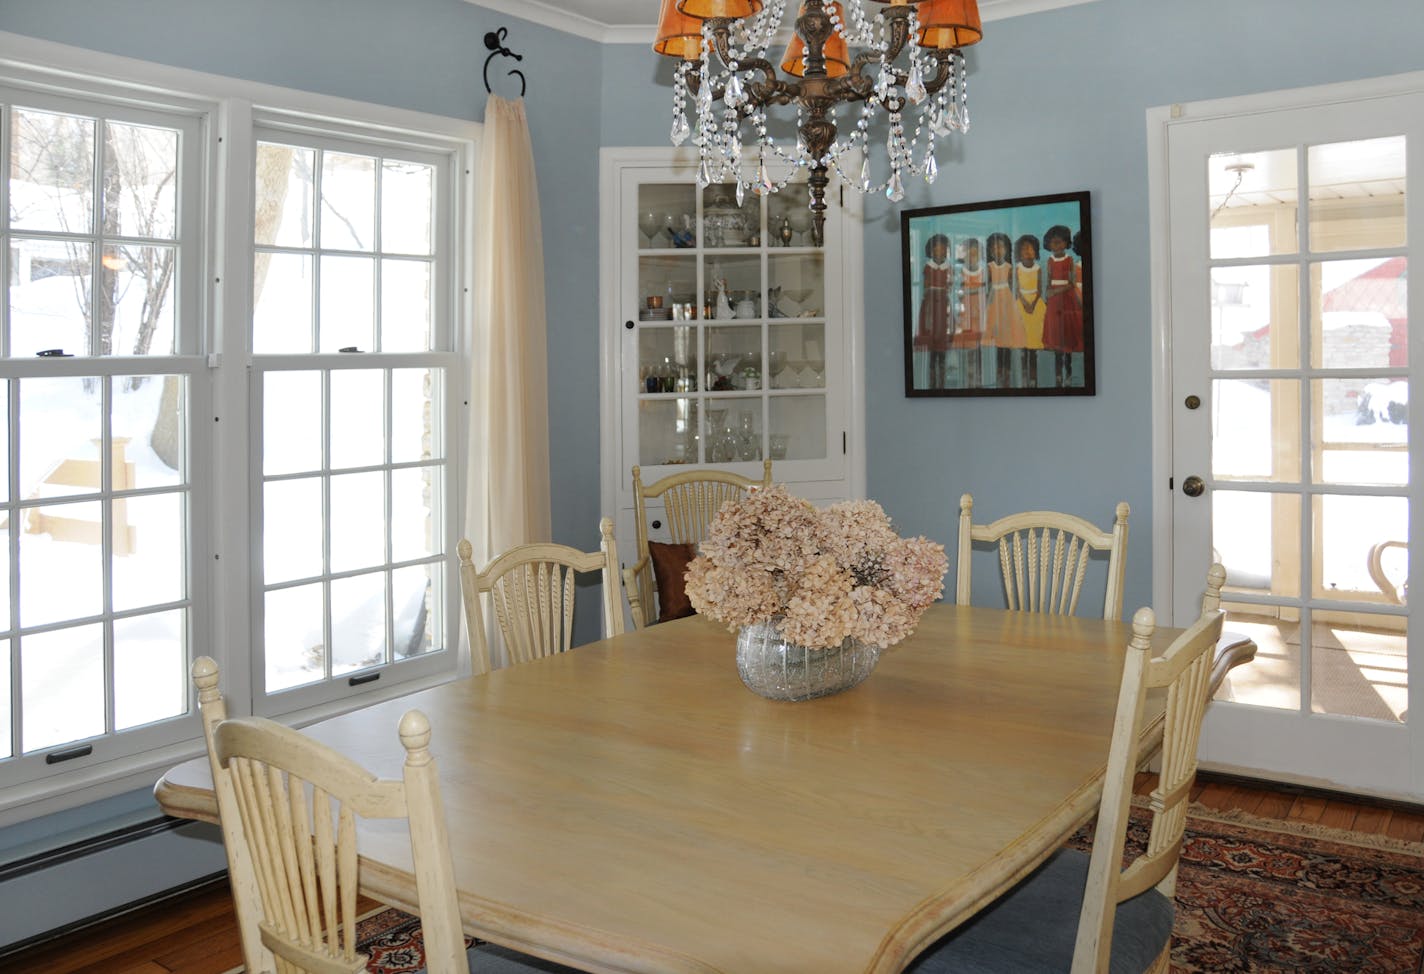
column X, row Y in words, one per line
column 729, row 122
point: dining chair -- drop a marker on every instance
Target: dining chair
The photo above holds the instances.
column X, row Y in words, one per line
column 531, row 588
column 1043, row 557
column 1086, row 912
column 1232, row 648
column 690, row 500
column 294, row 877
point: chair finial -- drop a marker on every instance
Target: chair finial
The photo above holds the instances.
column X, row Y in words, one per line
column 1144, row 624
column 1123, row 510
column 1215, row 579
column 966, row 503
column 414, row 731
column 205, row 677
column 464, row 549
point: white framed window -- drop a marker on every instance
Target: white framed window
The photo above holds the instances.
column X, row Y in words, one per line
column 245, row 438
column 101, row 221
column 353, row 360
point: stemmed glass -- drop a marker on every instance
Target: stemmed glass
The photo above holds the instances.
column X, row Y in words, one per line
column 800, row 219
column 650, row 223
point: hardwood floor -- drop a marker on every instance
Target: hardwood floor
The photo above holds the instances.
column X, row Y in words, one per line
column 196, row 934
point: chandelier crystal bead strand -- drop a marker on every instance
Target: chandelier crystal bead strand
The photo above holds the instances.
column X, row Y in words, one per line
column 910, row 60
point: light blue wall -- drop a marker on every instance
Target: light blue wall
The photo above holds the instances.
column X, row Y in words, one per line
column 1058, row 102
column 425, row 55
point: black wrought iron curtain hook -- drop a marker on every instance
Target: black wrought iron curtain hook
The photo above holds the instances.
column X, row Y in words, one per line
column 494, row 40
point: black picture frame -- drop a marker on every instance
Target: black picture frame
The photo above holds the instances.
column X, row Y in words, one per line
column 971, row 328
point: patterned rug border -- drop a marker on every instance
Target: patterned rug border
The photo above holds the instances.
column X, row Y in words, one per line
column 1310, row 830
column 242, row 969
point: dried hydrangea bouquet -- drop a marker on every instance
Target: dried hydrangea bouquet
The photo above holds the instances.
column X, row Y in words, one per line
column 816, row 593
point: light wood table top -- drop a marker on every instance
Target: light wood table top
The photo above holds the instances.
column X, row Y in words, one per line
column 630, row 806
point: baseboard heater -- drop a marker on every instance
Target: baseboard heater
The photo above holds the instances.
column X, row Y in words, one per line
column 56, row 892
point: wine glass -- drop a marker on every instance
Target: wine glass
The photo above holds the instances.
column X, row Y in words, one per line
column 650, row 223
column 800, row 219
column 776, row 364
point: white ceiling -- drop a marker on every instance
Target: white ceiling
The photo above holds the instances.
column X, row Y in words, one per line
column 633, row 21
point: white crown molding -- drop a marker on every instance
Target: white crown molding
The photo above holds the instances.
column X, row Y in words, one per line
column 548, row 13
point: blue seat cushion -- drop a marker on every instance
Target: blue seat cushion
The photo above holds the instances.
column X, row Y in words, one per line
column 1031, row 929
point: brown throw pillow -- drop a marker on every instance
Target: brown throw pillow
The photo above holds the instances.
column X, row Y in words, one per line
column 669, row 566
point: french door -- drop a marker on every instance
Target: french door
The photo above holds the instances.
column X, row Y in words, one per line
column 1292, row 231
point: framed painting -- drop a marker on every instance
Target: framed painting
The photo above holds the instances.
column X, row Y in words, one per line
column 998, row 298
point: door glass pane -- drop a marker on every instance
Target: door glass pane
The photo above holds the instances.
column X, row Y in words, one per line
column 798, row 428
column 413, row 610
column 733, row 357
column 667, row 431
column 284, row 195
column 407, row 194
column 1256, row 429
column 797, row 285
column 412, row 510
column 348, row 202
column 358, row 622
column 136, row 287
column 737, row 435
column 59, row 436
column 1359, row 665
column 51, row 172
column 61, row 686
column 291, row 529
column 358, row 521
column 149, row 415
column 1359, row 315
column 140, row 181
column 667, row 360
column 149, row 673
column 667, row 216
column 668, row 289
column 293, row 637
column 1273, row 678
column 405, row 305
column 1251, row 204
column 1346, row 529
column 49, row 295
column 282, row 303
column 1357, row 194
column 291, row 422
column 797, row 356
column 347, row 303
column 1256, row 537
column 149, row 550
column 1254, row 320
column 1361, row 433
column 61, row 568
column 358, row 424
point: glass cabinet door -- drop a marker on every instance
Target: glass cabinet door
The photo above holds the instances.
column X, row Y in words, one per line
column 735, row 344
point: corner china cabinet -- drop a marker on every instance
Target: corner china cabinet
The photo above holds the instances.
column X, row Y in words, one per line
column 727, row 335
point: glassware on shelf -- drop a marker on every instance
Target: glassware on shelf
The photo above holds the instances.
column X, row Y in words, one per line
column 800, row 219
column 779, row 443
column 650, row 222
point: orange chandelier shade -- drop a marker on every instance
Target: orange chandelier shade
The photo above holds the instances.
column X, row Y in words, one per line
column 836, row 53
column 947, row 24
column 704, row 9
column 679, row 35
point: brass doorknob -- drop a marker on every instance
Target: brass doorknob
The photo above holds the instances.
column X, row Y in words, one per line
column 1193, row 486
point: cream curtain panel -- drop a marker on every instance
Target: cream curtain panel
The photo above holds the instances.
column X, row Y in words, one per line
column 508, row 499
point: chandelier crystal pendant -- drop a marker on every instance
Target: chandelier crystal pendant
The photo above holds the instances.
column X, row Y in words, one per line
column 910, row 61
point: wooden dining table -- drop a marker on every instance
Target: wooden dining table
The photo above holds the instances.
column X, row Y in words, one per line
column 630, row 806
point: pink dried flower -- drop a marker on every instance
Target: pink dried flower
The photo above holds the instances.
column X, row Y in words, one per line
column 828, row 574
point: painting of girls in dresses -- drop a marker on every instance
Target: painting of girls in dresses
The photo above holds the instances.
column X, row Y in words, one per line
column 998, row 298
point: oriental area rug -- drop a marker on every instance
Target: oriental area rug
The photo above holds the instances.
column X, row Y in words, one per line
column 1253, row 895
